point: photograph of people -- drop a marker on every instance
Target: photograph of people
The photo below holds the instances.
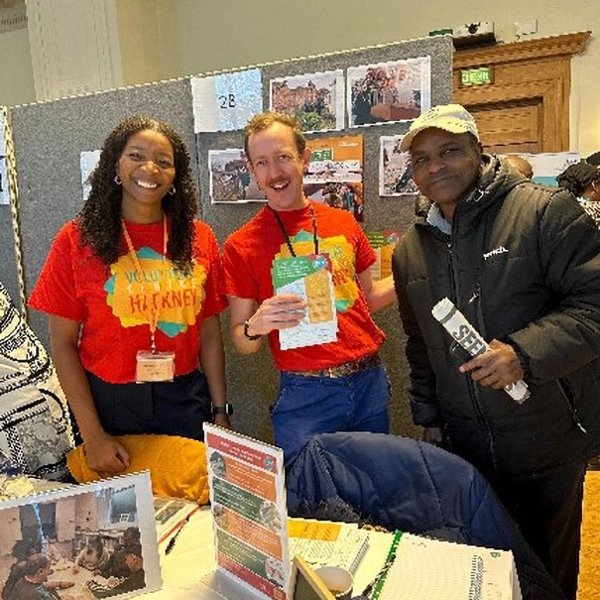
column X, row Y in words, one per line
column 130, row 287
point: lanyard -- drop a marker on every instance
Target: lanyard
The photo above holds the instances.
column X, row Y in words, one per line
column 287, row 237
column 152, row 311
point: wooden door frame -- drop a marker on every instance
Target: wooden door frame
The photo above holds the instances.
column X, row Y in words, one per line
column 536, row 71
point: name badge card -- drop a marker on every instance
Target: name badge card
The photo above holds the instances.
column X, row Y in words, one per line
column 153, row 367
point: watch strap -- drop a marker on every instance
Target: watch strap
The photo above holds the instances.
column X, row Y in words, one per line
column 247, row 333
column 226, row 409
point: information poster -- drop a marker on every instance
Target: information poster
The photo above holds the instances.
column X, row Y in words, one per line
column 335, row 173
column 383, row 244
column 248, row 503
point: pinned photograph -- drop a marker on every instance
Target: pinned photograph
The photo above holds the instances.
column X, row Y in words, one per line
column 88, row 161
column 316, row 99
column 231, row 179
column 395, row 172
column 388, row 92
column 85, row 542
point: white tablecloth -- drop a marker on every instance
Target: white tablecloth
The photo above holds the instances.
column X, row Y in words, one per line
column 193, row 557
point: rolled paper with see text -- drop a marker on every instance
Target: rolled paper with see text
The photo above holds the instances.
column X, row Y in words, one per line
column 468, row 337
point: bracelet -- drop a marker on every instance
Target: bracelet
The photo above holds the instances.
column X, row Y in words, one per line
column 226, row 409
column 247, row 333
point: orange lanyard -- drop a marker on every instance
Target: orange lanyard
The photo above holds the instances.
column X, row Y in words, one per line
column 152, row 311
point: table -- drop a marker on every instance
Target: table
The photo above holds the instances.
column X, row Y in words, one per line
column 193, row 557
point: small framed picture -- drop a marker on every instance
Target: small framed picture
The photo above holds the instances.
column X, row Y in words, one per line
column 93, row 541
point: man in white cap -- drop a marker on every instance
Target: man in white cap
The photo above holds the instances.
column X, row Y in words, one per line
column 522, row 263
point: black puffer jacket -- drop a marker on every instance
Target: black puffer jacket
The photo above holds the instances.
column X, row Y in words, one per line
column 522, row 263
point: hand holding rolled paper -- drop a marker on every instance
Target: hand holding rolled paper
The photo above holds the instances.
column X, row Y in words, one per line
column 467, row 336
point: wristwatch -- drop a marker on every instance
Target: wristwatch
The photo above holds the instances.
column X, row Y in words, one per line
column 247, row 334
column 226, row 409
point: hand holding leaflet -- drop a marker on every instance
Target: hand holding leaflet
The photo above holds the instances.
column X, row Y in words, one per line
column 467, row 336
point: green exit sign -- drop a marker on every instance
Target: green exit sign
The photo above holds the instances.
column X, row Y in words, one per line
column 480, row 76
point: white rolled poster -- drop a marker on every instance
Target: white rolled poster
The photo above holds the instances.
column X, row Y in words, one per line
column 468, row 337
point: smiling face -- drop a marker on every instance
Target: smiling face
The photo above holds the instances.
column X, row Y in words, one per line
column 146, row 168
column 445, row 166
column 278, row 167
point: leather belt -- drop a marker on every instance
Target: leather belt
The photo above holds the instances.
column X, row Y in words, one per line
column 345, row 369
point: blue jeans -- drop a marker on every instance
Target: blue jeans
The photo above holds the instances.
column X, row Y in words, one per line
column 310, row 405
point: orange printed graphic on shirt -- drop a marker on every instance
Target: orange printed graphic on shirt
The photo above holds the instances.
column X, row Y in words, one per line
column 177, row 297
column 341, row 254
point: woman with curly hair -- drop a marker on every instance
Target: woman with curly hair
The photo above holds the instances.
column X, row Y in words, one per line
column 131, row 289
column 583, row 181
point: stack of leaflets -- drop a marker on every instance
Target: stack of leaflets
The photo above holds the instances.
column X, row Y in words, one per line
column 327, row 543
column 309, row 277
column 171, row 514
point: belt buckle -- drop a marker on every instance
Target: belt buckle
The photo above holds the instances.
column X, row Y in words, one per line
column 345, row 369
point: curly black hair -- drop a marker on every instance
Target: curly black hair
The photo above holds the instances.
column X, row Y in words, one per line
column 594, row 159
column 100, row 219
column 576, row 178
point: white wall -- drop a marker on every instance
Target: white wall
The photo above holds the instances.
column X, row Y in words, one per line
column 16, row 73
column 141, row 50
column 201, row 35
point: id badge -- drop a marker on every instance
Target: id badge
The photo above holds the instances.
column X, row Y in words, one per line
column 153, row 367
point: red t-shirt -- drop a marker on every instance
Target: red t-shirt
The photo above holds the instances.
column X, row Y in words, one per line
column 112, row 303
column 248, row 255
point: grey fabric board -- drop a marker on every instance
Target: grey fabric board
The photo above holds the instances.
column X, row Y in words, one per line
column 50, row 136
column 253, row 382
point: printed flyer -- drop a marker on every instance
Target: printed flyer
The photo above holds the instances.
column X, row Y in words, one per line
column 311, row 278
column 335, row 173
column 248, row 504
column 383, row 244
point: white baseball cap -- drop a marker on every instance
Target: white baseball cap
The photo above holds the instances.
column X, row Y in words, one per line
column 449, row 117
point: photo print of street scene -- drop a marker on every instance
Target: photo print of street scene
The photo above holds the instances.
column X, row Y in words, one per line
column 317, row 100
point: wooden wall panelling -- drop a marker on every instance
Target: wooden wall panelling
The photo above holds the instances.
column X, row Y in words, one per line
column 526, row 108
